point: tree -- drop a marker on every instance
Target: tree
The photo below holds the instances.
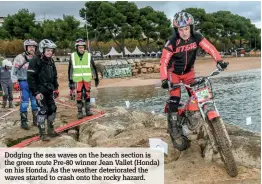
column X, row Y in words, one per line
column 4, row 34
column 61, row 31
column 20, row 25
column 225, row 27
column 116, row 20
column 154, row 25
column 235, row 27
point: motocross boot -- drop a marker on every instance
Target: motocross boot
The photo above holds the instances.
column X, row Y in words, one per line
column 87, row 109
column 24, row 124
column 79, row 110
column 11, row 105
column 42, row 134
column 50, row 126
column 34, row 117
column 4, row 101
column 41, row 126
column 50, row 131
column 173, row 127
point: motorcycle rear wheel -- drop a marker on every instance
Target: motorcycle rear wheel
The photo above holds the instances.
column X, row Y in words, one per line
column 224, row 147
column 181, row 143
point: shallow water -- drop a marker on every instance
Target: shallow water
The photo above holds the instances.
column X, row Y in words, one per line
column 238, row 96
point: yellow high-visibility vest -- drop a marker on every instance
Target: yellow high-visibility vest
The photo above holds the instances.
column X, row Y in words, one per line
column 81, row 68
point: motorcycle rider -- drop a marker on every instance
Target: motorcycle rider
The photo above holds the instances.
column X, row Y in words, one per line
column 6, row 83
column 177, row 61
column 21, row 63
column 42, row 80
column 80, row 69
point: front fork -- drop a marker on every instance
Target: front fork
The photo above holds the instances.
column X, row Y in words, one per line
column 203, row 112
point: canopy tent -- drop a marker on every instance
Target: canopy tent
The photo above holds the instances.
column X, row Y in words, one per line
column 113, row 52
column 127, row 52
column 153, row 53
column 137, row 52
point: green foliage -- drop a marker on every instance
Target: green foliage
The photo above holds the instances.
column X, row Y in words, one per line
column 19, row 25
column 122, row 23
column 155, row 26
column 223, row 26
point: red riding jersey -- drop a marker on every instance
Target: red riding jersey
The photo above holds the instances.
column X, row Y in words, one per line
column 180, row 54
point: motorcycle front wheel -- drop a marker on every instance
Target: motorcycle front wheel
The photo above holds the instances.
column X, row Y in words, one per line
column 224, row 147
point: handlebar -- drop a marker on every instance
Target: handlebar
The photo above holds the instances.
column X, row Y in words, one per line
column 192, row 85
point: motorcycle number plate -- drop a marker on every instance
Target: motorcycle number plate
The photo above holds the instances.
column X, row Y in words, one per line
column 203, row 95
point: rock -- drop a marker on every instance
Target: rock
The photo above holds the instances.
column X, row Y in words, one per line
column 62, row 141
column 148, row 65
column 136, row 126
column 143, row 118
column 173, row 155
column 85, row 132
column 156, row 69
column 98, row 138
column 73, row 133
column 119, row 111
column 2, row 145
column 124, row 62
column 16, row 133
column 143, row 70
column 150, row 70
column 130, row 61
column 135, row 70
column 109, row 130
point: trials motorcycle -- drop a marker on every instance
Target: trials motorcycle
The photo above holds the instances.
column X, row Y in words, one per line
column 200, row 111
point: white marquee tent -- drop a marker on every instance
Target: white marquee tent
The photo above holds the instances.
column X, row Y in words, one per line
column 137, row 52
column 113, row 52
column 127, row 52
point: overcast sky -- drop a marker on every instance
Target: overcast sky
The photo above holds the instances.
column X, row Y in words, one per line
column 56, row 9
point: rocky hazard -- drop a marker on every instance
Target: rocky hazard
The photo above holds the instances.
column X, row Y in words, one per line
column 121, row 127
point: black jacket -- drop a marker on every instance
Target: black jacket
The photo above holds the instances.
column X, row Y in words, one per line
column 42, row 75
column 179, row 55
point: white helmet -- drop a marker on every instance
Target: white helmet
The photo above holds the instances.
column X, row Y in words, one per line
column 45, row 43
column 29, row 42
column 6, row 62
column 80, row 42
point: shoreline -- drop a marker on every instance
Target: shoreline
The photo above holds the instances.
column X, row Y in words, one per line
column 202, row 67
column 143, row 81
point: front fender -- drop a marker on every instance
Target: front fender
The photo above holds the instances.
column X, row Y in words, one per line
column 212, row 114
